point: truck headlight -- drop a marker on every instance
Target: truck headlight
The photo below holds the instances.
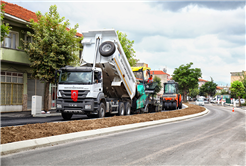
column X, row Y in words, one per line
column 59, row 94
column 87, row 106
column 58, row 106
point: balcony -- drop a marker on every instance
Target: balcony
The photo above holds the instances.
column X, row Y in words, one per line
column 14, row 55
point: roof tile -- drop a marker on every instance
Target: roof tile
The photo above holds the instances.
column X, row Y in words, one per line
column 22, row 13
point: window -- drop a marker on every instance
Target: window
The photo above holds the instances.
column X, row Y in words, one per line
column 11, row 88
column 12, row 40
column 28, row 39
column 11, row 77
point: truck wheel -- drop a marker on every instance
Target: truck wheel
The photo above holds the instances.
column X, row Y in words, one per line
column 121, row 109
column 107, row 48
column 101, row 110
column 174, row 105
column 180, row 105
column 67, row 116
column 127, row 108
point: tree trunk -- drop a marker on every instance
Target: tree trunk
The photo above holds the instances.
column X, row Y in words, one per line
column 185, row 95
column 239, row 101
column 46, row 96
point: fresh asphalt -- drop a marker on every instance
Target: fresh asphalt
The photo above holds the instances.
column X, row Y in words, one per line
column 217, row 138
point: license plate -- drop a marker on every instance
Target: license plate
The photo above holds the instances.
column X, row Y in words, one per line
column 72, row 105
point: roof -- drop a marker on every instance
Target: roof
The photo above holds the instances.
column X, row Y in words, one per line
column 158, row 72
column 22, row 13
column 218, row 88
column 202, row 80
column 19, row 11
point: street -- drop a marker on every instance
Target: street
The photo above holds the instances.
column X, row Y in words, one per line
column 217, row 138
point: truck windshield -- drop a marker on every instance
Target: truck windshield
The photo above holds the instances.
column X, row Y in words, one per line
column 170, row 88
column 67, row 77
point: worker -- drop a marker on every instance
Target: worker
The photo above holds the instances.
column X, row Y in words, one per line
column 150, row 80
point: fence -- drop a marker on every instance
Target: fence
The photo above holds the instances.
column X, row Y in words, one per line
column 11, row 93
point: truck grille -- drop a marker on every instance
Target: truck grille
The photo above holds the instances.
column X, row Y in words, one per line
column 66, row 94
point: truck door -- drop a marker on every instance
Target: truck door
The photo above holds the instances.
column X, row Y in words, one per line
column 97, row 81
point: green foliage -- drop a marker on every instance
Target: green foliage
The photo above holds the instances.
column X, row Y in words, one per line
column 193, row 92
column 238, row 88
column 4, row 27
column 209, row 88
column 54, row 46
column 224, row 92
column 158, row 87
column 243, row 80
column 186, row 77
column 127, row 47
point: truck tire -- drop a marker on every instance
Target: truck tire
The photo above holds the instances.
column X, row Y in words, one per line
column 107, row 48
column 67, row 116
column 180, row 105
column 121, row 109
column 174, row 105
column 101, row 110
column 127, row 108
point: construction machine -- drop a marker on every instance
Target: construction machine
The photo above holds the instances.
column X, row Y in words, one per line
column 171, row 99
column 145, row 97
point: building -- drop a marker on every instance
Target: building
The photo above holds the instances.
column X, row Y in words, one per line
column 218, row 89
column 17, row 86
column 201, row 82
column 235, row 76
column 163, row 76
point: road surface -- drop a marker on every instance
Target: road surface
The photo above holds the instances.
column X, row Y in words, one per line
column 217, row 138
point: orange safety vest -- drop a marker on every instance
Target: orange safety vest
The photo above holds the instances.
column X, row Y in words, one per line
column 150, row 80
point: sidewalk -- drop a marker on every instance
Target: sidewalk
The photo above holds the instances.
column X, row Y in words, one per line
column 229, row 105
column 28, row 114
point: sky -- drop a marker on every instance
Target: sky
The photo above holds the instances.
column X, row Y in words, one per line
column 166, row 34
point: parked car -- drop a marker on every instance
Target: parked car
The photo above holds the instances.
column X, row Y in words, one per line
column 205, row 101
column 200, row 102
column 242, row 101
column 213, row 101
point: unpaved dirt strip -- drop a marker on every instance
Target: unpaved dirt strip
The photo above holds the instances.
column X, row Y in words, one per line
column 33, row 131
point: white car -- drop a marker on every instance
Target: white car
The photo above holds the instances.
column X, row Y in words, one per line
column 242, row 101
column 200, row 102
column 205, row 101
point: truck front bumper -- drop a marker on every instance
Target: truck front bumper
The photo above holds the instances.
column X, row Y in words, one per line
column 87, row 105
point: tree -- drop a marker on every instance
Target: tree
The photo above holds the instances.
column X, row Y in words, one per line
column 54, row 47
column 243, row 80
column 158, row 87
column 193, row 92
column 127, row 47
column 4, row 27
column 186, row 77
column 208, row 88
column 238, row 88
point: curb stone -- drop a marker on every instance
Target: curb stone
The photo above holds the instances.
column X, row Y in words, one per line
column 58, row 139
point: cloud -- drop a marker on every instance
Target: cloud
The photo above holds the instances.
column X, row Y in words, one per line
column 217, row 5
column 209, row 34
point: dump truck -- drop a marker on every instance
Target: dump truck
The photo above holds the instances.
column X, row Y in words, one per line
column 103, row 83
column 171, row 99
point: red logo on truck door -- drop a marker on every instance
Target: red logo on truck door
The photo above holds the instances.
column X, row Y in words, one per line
column 74, row 95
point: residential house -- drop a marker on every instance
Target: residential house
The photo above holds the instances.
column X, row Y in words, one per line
column 235, row 76
column 163, row 76
column 201, row 82
column 17, row 86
